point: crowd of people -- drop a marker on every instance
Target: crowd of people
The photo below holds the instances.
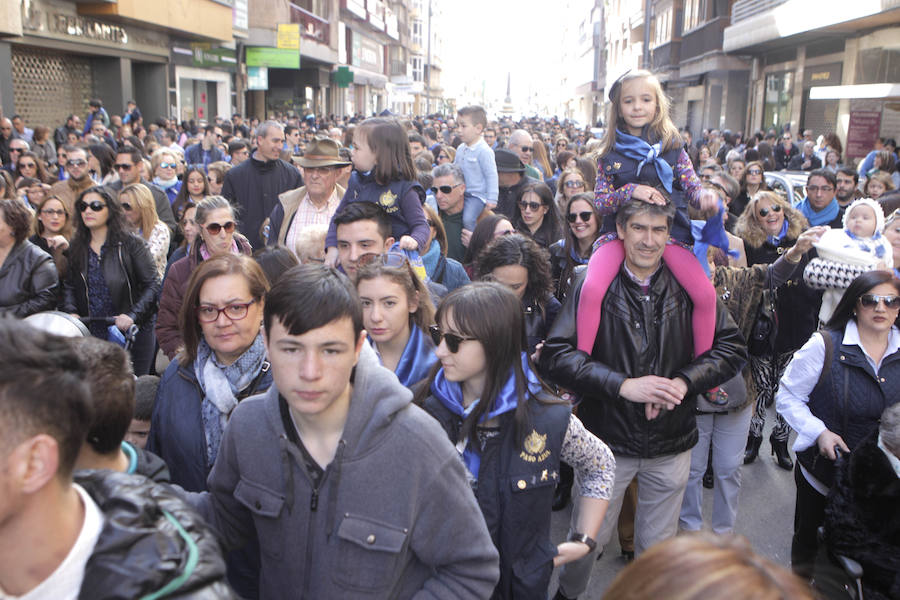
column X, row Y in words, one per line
column 369, row 357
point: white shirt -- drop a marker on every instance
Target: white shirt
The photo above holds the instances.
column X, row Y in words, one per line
column 65, row 582
column 800, row 378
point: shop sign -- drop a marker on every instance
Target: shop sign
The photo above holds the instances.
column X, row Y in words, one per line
column 272, row 57
column 257, row 78
column 862, row 132
column 241, row 17
column 202, row 55
column 366, row 53
column 822, row 75
column 343, row 77
column 288, row 36
column 74, row 26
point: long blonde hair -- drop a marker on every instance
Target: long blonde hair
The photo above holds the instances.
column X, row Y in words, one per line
column 661, row 126
column 141, row 200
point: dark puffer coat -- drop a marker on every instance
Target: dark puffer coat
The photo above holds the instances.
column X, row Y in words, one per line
column 152, row 544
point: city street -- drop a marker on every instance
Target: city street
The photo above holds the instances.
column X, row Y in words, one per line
column 765, row 517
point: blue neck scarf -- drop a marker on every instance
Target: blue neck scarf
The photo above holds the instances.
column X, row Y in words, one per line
column 417, row 359
column 643, row 152
column 824, row 216
column 711, row 233
column 431, row 257
column 449, row 393
column 776, row 239
column 879, row 248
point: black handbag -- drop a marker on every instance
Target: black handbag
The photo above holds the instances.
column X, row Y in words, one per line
column 765, row 328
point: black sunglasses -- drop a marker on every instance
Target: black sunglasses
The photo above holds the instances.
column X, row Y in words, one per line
column 532, row 206
column 122, row 167
column 872, row 300
column 95, row 206
column 453, row 341
column 215, row 228
column 444, row 189
column 526, row 148
column 754, row 172
column 585, row 216
column 776, row 208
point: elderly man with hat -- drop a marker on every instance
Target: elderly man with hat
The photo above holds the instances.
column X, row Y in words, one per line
column 315, row 202
column 512, row 181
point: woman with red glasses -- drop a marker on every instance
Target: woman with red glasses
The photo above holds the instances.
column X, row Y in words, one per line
column 217, row 223
column 111, row 274
column 833, row 393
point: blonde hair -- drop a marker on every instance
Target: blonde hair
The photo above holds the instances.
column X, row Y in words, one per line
column 310, row 242
column 883, row 178
column 142, row 201
column 702, row 565
column 749, row 229
column 662, row 126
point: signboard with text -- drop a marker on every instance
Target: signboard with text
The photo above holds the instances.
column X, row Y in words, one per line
column 863, row 129
column 272, row 57
column 288, row 36
column 257, row 78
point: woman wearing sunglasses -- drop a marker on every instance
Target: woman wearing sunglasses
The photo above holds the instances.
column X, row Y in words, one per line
column 834, row 391
column 537, row 216
column 140, row 210
column 769, row 226
column 397, row 312
column 29, row 165
column 218, row 235
column 574, row 249
column 164, row 165
column 511, row 433
column 752, row 181
column 570, row 183
column 111, row 274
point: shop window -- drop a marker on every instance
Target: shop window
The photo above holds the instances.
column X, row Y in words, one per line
column 779, row 88
column 878, row 65
column 694, row 13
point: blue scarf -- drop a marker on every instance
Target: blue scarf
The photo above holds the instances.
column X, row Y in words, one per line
column 641, row 151
column 417, row 359
column 449, row 393
column 776, row 239
column 221, row 385
column 431, row 257
column 711, row 233
column 823, row 217
column 879, row 248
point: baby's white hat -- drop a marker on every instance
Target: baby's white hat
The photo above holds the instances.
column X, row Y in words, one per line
column 874, row 205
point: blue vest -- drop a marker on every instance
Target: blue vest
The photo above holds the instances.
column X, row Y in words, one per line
column 364, row 188
column 849, row 398
column 516, row 482
column 621, row 170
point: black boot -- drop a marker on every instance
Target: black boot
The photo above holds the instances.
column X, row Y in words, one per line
column 782, row 456
column 564, row 487
column 752, row 451
column 708, row 475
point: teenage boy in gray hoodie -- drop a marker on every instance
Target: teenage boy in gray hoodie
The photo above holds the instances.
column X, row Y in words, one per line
column 351, row 489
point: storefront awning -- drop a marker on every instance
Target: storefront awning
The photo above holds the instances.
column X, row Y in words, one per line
column 878, row 91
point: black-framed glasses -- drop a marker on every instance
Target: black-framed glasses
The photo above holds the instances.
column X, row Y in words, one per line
column 207, row 313
column 776, row 208
column 452, row 340
column 444, row 189
column 526, row 148
column 585, row 216
column 815, row 189
column 11, row 150
column 216, row 228
column 122, row 167
column 532, row 206
column 95, row 206
column 871, row 301
column 574, row 183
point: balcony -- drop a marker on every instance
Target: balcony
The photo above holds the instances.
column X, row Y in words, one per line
column 703, row 39
column 666, row 56
column 312, row 27
column 744, row 9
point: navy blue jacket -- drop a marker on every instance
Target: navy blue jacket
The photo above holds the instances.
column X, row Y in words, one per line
column 176, row 427
column 193, row 155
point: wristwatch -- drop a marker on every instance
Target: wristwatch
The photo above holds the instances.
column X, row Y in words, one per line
column 584, row 539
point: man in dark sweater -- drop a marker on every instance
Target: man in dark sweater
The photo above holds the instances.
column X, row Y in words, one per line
column 253, row 186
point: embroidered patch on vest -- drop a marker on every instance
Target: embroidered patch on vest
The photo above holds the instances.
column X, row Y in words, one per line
column 388, row 201
column 535, row 448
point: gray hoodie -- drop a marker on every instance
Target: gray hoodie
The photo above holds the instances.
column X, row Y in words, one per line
column 393, row 516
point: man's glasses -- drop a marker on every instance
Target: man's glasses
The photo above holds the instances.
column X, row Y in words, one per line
column 11, row 150
column 167, row 165
column 215, row 228
column 123, row 167
column 776, row 208
column 532, row 206
column 444, row 189
column 95, row 206
column 526, row 148
column 574, row 183
column 77, row 162
column 207, row 313
column 815, row 189
column 452, row 340
column 871, row 301
column 585, row 216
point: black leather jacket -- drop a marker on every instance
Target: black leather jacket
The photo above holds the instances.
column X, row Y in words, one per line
column 130, row 274
column 539, row 319
column 640, row 335
column 28, row 281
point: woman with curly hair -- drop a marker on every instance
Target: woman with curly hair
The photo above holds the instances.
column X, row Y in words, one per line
column 769, row 226
column 520, row 264
column 29, row 165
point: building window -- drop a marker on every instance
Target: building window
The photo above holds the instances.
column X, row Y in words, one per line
column 663, row 27
column 694, row 13
column 417, row 32
column 418, row 71
column 777, row 111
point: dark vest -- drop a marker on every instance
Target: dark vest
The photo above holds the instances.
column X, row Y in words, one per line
column 621, row 170
column 364, row 188
column 849, row 398
column 515, row 490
